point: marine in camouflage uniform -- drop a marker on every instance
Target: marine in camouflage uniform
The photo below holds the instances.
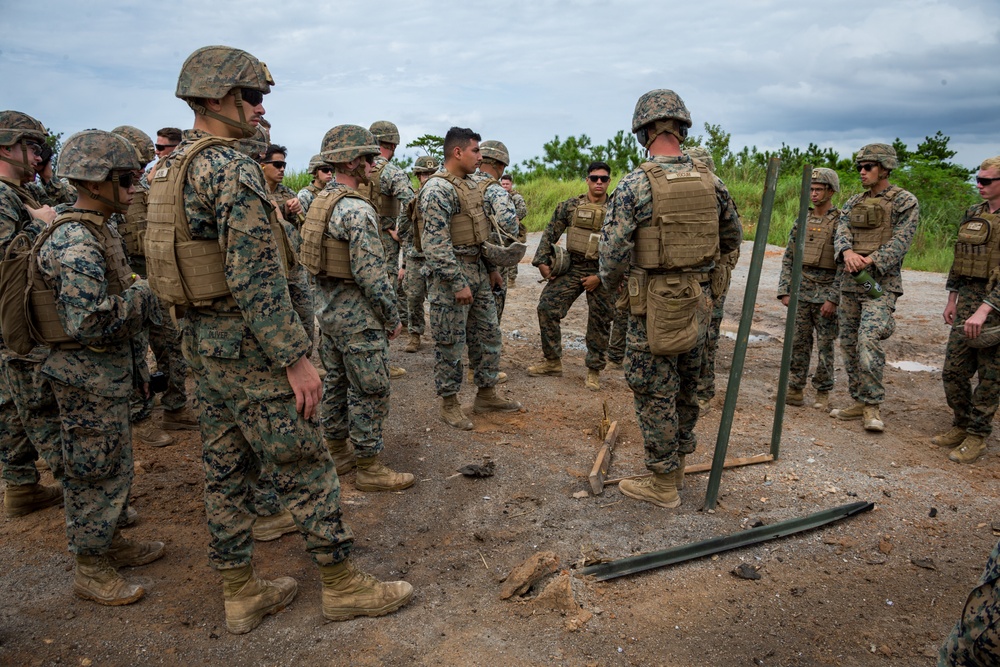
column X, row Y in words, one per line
column 257, row 389
column 463, row 310
column 101, row 306
column 322, row 175
column 973, row 298
column 819, row 292
column 413, row 259
column 975, row 639
column 28, row 415
column 46, row 189
column 521, row 208
column 356, row 310
column 865, row 321
column 560, row 292
column 664, row 386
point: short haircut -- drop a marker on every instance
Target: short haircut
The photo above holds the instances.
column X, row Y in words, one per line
column 274, row 148
column 597, row 164
column 507, row 177
column 171, row 133
column 991, row 163
column 459, row 137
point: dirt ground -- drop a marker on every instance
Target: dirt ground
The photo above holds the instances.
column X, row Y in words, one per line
column 846, row 594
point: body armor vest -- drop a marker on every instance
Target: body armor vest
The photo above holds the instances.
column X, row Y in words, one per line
column 417, row 224
column 182, row 270
column 322, row 255
column 385, row 204
column 44, row 324
column 871, row 222
column 22, row 193
column 133, row 230
column 818, row 250
column 584, row 227
column 469, row 226
column 683, row 232
column 977, row 248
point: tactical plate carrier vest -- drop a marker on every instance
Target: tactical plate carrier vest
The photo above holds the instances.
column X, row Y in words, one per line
column 133, row 230
column 683, row 232
column 322, row 255
column 385, row 204
column 469, row 226
column 184, row 271
column 977, row 248
column 584, row 231
column 871, row 222
column 818, row 250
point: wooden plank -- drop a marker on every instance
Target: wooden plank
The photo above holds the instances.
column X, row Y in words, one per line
column 705, row 467
column 603, row 460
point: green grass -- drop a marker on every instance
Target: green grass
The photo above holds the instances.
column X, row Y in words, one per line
column 296, row 180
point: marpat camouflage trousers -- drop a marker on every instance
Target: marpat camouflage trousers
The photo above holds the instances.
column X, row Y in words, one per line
column 808, row 320
column 29, row 422
column 557, row 298
column 975, row 640
column 706, row 377
column 973, row 408
column 416, row 293
column 864, row 323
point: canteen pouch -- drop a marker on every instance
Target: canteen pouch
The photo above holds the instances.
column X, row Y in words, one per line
column 676, row 317
column 592, row 243
column 637, row 290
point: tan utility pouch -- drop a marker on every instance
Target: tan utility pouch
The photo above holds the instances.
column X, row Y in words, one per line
column 677, row 314
column 637, row 290
column 975, row 231
column 866, row 214
column 592, row 243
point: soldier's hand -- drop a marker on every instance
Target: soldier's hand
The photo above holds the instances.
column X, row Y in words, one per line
column 590, row 283
column 854, row 262
column 293, row 206
column 974, row 325
column 44, row 213
column 784, row 300
column 496, row 280
column 949, row 312
column 395, row 332
column 401, row 274
column 828, row 310
column 545, row 270
column 307, row 386
column 463, row 297
column 394, row 233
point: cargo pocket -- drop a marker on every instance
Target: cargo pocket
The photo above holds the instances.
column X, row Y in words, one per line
column 445, row 319
column 284, row 433
column 367, row 363
column 675, row 318
column 91, row 454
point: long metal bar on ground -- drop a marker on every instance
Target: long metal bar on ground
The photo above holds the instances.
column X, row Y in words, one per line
column 743, row 334
column 679, row 554
column 793, row 308
column 705, row 467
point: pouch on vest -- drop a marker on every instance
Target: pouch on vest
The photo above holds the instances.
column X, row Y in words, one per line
column 975, row 231
column 676, row 317
column 592, row 246
column 637, row 290
column 14, row 308
column 866, row 214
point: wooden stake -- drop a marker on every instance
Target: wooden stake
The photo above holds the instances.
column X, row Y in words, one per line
column 705, row 467
column 603, row 460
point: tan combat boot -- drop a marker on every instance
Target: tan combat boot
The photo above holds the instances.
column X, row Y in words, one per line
column 413, row 344
column 342, row 452
column 27, row 498
column 873, row 418
column 396, row 372
column 126, row 553
column 547, row 367
column 183, row 419
column 952, row 438
column 822, row 400
column 679, row 473
column 349, row 592
column 487, row 400
column 269, row 528
column 659, row 489
column 249, row 598
column 704, row 406
column 373, row 475
column 451, row 413
column 151, row 435
column 593, row 381
column 856, row 411
column 971, row 449
column 794, row 397
column 615, row 365
column 96, row 580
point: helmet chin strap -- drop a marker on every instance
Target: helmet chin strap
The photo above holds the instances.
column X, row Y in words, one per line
column 115, row 203
column 23, row 163
column 246, row 128
column 359, row 173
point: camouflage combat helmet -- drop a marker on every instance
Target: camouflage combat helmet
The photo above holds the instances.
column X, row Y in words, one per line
column 212, row 71
column 701, row 154
column 254, row 146
column 504, row 256
column 495, row 150
column 140, row 141
column 315, row 162
column 426, row 164
column 883, row 154
column 826, row 177
column 92, row 155
column 15, row 126
column 343, row 143
column 660, row 104
column 560, row 261
column 385, row 132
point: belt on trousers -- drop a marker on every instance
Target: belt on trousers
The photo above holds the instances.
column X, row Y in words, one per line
column 468, row 259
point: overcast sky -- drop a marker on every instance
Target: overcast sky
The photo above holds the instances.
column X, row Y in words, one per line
column 839, row 74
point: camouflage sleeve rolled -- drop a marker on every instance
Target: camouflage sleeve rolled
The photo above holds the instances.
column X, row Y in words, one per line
column 13, row 217
column 73, row 257
column 234, row 186
column 520, row 207
column 500, row 207
column 298, row 284
column 368, row 258
column 620, row 223
column 550, row 235
column 730, row 227
column 395, row 181
column 905, row 216
column 785, row 279
column 305, row 197
column 438, row 202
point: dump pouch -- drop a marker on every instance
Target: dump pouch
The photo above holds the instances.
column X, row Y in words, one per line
column 677, row 314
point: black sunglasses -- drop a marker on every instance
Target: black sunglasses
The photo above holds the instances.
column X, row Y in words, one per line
column 370, row 159
column 125, row 178
column 986, row 181
column 163, row 147
column 599, row 179
column 867, row 166
column 251, row 96
column 278, row 164
column 325, row 170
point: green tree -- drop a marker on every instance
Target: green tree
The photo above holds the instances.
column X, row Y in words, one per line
column 430, row 144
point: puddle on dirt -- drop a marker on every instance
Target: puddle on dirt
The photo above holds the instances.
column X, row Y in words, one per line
column 755, row 336
column 914, row 367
